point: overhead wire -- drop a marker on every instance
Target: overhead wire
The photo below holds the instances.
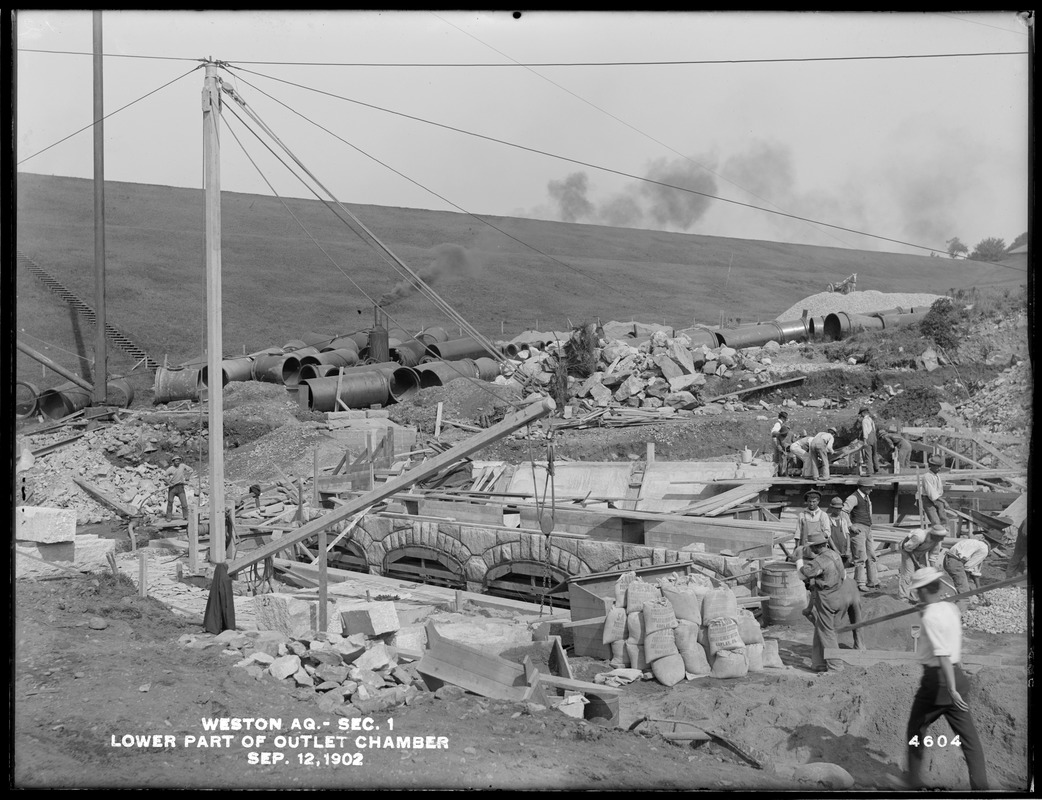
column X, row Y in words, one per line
column 598, row 167
column 365, row 294
column 417, row 281
column 95, row 122
column 460, row 208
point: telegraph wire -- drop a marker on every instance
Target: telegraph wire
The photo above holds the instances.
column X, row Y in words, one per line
column 516, row 64
column 333, row 261
column 599, row 167
column 92, row 124
column 431, row 191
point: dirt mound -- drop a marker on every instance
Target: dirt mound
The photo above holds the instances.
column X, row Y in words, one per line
column 472, row 402
column 822, row 303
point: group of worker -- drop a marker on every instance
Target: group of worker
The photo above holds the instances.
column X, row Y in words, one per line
column 813, row 453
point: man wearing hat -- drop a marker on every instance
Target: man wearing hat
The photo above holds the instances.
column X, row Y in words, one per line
column 839, row 525
column 900, row 448
column 800, row 448
column 944, row 685
column 963, row 560
column 868, row 441
column 177, row 475
column 920, row 548
column 858, row 507
column 831, row 594
column 931, row 492
column 781, row 437
column 812, row 519
column 821, row 447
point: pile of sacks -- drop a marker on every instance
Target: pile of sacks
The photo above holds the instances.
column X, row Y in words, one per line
column 681, row 628
column 662, row 371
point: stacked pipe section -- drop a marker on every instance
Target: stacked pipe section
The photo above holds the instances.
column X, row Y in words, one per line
column 839, row 325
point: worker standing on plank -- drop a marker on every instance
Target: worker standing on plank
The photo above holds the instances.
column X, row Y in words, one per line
column 812, row 519
column 800, row 448
column 858, row 507
column 821, row 447
column 935, row 506
column 177, row 475
column 780, row 437
column 962, row 561
column 943, row 685
column 839, row 524
column 825, row 579
column 867, row 436
column 900, row 448
column 920, row 548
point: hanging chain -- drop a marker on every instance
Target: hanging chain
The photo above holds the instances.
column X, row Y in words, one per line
column 546, row 523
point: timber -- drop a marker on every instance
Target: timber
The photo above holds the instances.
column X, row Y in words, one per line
column 425, row 470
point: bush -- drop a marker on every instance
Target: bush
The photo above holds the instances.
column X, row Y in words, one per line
column 940, row 323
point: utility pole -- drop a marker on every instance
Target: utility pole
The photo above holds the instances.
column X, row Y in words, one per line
column 100, row 354
column 214, row 352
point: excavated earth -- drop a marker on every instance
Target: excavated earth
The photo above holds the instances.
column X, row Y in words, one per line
column 83, row 691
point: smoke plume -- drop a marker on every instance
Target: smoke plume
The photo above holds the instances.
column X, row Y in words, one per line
column 450, row 261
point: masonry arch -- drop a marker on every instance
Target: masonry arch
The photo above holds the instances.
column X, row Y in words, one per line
column 423, row 564
column 522, row 579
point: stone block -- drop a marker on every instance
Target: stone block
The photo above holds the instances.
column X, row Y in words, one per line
column 44, row 525
column 375, row 658
column 370, row 618
column 284, row 667
column 285, row 614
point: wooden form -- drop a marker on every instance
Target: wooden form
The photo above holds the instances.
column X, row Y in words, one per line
column 425, row 470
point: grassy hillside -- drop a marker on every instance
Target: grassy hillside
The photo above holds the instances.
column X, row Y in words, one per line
column 277, row 283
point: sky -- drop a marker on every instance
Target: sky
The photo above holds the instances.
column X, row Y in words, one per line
column 570, row 116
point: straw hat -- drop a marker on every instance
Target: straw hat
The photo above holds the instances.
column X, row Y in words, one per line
column 864, row 483
column 176, row 459
column 935, row 461
column 817, row 537
column 924, row 576
column 836, row 502
column 937, row 530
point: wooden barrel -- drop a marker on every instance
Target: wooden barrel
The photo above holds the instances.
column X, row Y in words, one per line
column 787, row 596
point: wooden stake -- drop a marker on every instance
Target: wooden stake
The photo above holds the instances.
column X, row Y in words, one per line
column 323, row 560
column 437, row 422
column 314, row 485
column 142, row 573
column 193, row 539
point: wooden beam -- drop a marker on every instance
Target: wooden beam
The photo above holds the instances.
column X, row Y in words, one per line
column 760, row 388
column 425, row 470
column 125, row 511
column 918, row 608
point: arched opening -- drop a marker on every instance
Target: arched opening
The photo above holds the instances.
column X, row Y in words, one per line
column 348, row 555
column 424, row 565
column 524, row 580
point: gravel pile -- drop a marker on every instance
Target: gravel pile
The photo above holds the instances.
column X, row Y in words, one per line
column 823, row 303
column 1007, row 613
column 1004, row 404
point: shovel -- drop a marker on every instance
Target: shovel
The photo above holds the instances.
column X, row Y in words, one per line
column 757, row 758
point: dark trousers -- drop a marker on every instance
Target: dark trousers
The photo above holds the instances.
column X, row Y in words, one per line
column 933, row 701
column 827, row 609
column 177, row 491
column 956, row 568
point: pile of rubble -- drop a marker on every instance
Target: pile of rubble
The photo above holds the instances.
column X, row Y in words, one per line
column 1006, row 612
column 1004, row 404
column 662, row 371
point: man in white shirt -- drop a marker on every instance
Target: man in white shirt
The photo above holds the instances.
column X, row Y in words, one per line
column 963, row 561
column 779, row 437
column 868, row 442
column 932, row 492
column 821, row 447
column 943, row 684
column 801, row 449
column 920, row 548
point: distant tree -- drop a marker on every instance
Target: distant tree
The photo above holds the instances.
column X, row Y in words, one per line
column 1022, row 239
column 990, row 249
column 956, row 248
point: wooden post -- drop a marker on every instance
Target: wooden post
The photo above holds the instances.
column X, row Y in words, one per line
column 372, row 458
column 651, row 452
column 323, row 559
column 339, row 382
column 314, row 478
column 437, row 422
column 211, row 103
column 142, row 573
column 193, row 539
column 100, row 351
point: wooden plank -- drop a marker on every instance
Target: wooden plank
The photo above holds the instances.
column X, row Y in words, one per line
column 761, row 387
column 125, row 511
column 574, row 685
column 869, row 657
column 558, row 660
column 425, row 470
column 471, row 668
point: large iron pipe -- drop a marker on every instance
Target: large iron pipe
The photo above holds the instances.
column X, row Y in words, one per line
column 177, row 383
column 455, row 349
column 63, row 400
column 55, row 366
column 433, row 334
column 488, row 368
column 25, row 403
column 408, row 353
column 357, row 390
column 404, row 382
column 232, row 369
column 758, row 335
column 898, row 320
column 839, row 325
column 438, row 373
column 344, row 357
column 816, row 327
column 270, row 368
column 342, row 343
column 316, row 339
column 701, row 336
column 308, row 371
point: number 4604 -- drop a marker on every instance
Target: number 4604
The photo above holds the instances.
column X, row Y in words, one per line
column 940, row 741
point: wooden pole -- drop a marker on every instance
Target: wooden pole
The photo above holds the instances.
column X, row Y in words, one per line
column 427, row 469
column 211, row 103
column 100, row 352
column 952, row 599
column 437, row 422
column 323, row 560
column 142, row 573
column 314, row 478
column 193, row 539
